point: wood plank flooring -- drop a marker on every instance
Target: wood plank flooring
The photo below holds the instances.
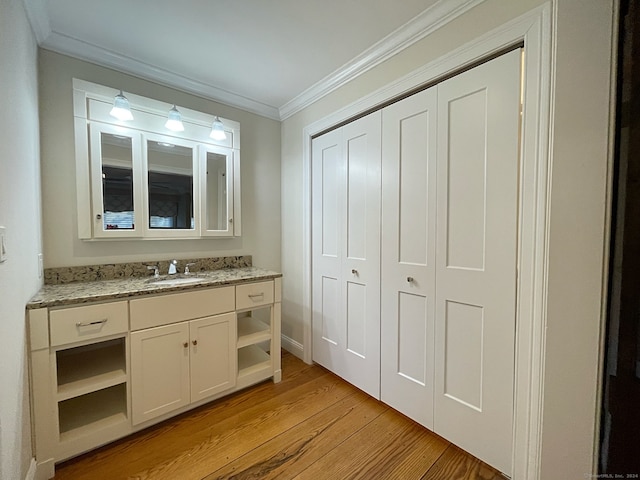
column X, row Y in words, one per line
column 312, row 425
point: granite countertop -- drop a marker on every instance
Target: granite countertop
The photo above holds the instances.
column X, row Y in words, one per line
column 84, row 292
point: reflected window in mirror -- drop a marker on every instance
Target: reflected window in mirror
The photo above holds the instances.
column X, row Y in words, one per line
column 117, row 182
column 170, row 186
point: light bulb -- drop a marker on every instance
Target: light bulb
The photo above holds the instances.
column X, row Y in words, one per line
column 174, row 120
column 121, row 109
column 217, row 130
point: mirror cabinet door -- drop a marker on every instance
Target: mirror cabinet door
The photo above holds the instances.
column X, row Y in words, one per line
column 170, row 186
column 218, row 192
column 116, row 199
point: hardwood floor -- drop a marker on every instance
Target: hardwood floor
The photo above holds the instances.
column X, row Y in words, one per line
column 312, row 425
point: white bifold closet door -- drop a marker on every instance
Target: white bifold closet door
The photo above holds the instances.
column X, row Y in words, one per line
column 408, row 255
column 346, row 252
column 476, row 245
column 445, row 208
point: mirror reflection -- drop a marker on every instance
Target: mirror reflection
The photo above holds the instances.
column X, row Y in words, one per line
column 216, row 191
column 117, row 182
column 170, row 182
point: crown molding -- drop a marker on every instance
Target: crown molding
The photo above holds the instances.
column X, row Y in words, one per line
column 38, row 16
column 91, row 53
column 417, row 28
column 414, row 30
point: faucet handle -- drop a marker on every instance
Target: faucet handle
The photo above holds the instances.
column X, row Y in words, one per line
column 186, row 268
column 156, row 272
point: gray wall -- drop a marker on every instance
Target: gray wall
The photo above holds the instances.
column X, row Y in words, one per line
column 20, row 214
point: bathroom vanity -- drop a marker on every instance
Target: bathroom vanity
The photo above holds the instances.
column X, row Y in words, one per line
column 109, row 358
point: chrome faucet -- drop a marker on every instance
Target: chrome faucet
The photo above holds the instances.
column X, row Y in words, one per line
column 172, row 267
column 155, row 269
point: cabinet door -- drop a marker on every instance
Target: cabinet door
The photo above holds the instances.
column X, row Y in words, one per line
column 213, row 355
column 477, row 216
column 346, row 252
column 408, row 255
column 217, row 196
column 159, row 371
column 116, row 181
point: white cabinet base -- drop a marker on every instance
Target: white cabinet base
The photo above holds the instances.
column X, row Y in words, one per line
column 89, row 389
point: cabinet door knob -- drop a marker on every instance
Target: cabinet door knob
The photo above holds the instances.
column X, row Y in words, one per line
column 185, row 344
column 195, row 342
column 354, row 271
column 410, row 279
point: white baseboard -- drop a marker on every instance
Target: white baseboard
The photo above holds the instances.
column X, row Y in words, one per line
column 291, row 346
column 31, row 473
column 40, row 471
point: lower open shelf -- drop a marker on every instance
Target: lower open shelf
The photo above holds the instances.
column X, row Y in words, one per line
column 254, row 365
column 86, row 414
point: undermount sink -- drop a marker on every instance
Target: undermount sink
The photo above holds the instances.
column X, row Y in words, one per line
column 177, row 281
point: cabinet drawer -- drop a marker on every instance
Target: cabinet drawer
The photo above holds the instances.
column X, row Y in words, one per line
column 177, row 307
column 254, row 295
column 76, row 324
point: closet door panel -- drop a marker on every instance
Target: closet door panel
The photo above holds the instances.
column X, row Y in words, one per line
column 327, row 214
column 361, row 267
column 346, row 252
column 478, row 155
column 408, row 255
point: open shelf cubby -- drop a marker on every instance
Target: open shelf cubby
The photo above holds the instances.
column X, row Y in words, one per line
column 254, row 326
column 85, row 369
column 90, row 412
column 252, row 359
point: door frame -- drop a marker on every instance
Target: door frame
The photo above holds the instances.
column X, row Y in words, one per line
column 534, row 30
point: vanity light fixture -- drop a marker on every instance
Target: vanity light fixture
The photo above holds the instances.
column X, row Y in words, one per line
column 217, row 130
column 121, row 108
column 174, row 120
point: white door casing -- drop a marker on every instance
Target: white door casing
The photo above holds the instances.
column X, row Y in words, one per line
column 408, row 255
column 477, row 220
column 346, row 253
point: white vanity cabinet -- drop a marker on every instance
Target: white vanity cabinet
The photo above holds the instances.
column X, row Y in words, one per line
column 101, row 371
column 175, row 365
column 79, row 375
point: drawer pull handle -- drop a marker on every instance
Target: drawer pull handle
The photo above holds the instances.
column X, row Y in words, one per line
column 256, row 295
column 88, row 324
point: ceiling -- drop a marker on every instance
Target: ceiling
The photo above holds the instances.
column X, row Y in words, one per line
column 271, row 57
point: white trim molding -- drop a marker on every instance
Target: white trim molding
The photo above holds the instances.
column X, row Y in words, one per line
column 91, row 53
column 51, row 40
column 533, row 29
column 414, row 30
column 439, row 14
column 38, row 18
column 291, row 346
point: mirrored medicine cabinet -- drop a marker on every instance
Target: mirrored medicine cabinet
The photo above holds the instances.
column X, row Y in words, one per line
column 137, row 179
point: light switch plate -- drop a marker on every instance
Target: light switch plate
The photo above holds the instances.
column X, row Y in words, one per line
column 3, row 245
